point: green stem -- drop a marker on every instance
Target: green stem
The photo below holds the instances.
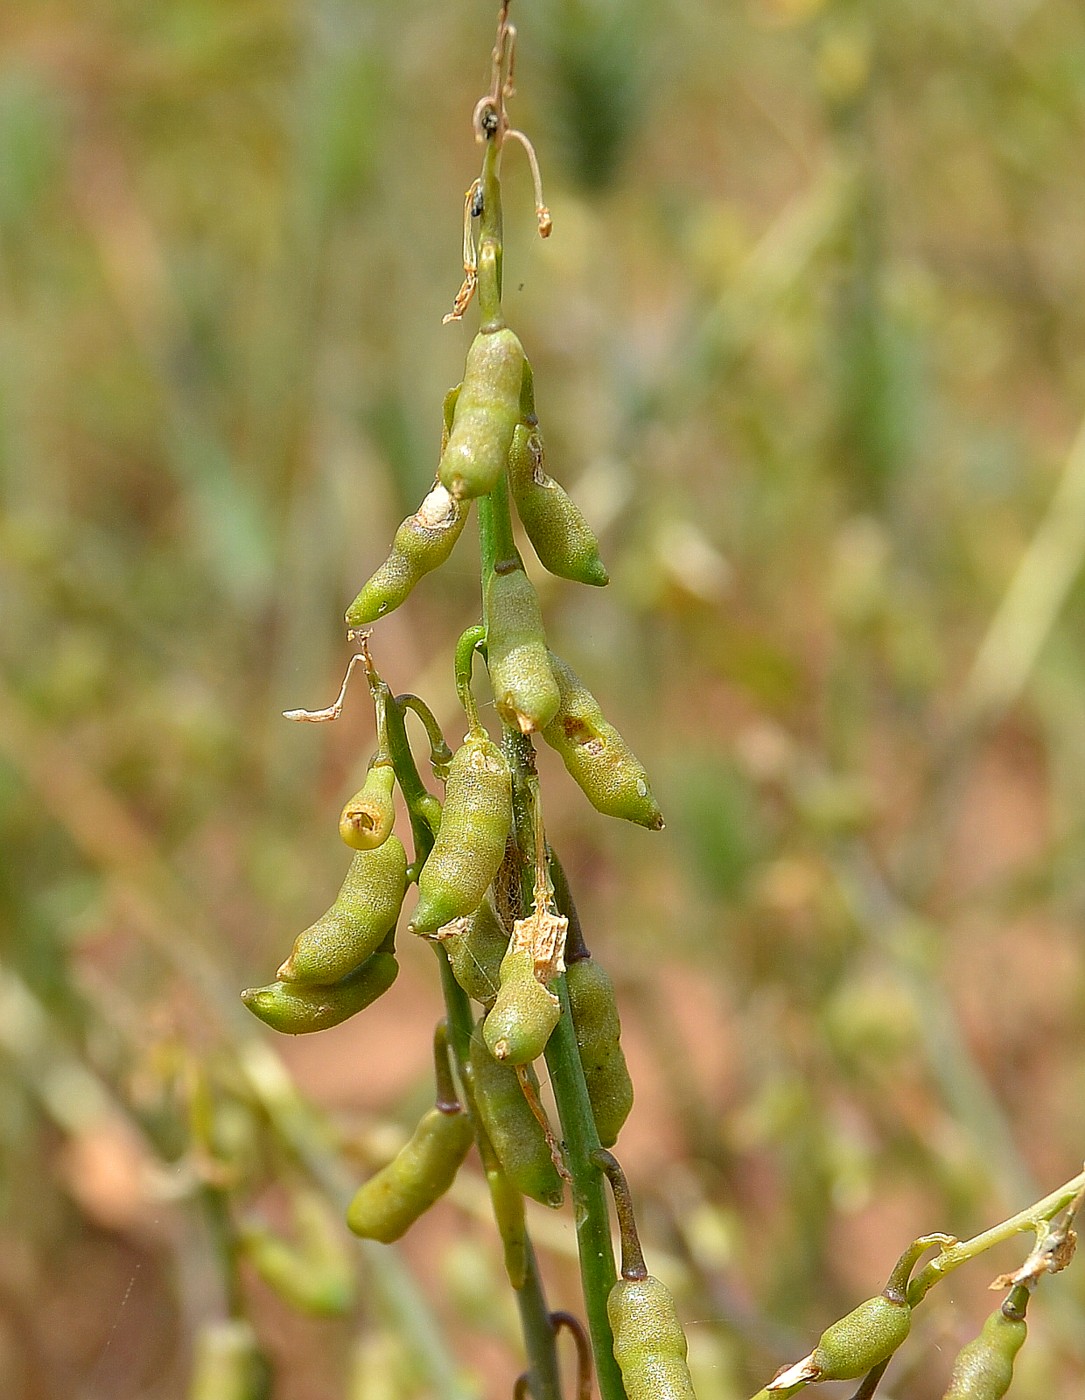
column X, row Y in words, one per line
column 447, row 1100
column 1031, row 1218
column 487, row 547
column 490, row 240
column 224, row 1242
column 597, row 1271
column 466, row 647
column 440, row 755
column 503, row 538
column 896, row 1290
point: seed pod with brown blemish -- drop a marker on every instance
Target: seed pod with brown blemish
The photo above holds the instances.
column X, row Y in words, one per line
column 296, row 1008
column 367, row 819
column 598, row 1039
column 512, row 1128
column 421, row 544
column 559, row 534
column 475, row 952
column 524, row 1014
column 983, row 1369
column 475, row 822
column 365, row 910
column 866, row 1337
column 484, row 415
column 524, row 686
column 604, row 766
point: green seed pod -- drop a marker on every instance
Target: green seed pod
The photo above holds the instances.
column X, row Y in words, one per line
column 229, row 1364
column 984, row 1368
column 367, row 819
column 475, row 821
column 475, row 953
column 365, row 909
column 295, row 1008
column 422, row 543
column 524, row 1014
column 525, row 689
column 484, row 415
column 869, row 1335
column 420, row 1173
column 598, row 758
column 513, row 1130
column 558, row 532
column 649, row 1344
column 598, row 1038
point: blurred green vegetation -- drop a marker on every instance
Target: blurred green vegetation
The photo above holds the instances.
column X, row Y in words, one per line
column 809, row 346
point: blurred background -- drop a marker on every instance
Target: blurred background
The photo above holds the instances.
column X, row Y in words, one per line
column 809, row 347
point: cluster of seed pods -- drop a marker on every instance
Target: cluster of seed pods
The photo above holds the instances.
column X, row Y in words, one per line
column 346, row 958
column 471, row 906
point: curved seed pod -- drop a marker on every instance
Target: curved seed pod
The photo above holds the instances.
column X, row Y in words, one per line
column 983, row 1369
column 367, row 819
column 604, row 766
column 513, row 1130
column 649, row 1344
column 296, row 1008
column 229, row 1364
column 866, row 1337
column 365, row 909
column 559, row 534
column 475, row 821
column 524, row 1014
column 476, row 951
column 420, row 1173
column 421, row 544
column 484, row 415
column 524, row 686
column 598, row 1038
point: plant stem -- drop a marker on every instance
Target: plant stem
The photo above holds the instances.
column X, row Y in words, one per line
column 538, row 1332
column 1029, row 1219
column 465, row 654
column 581, row 1139
column 597, row 1272
column 492, row 317
column 440, row 755
column 504, row 542
column 497, row 543
column 224, row 1243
